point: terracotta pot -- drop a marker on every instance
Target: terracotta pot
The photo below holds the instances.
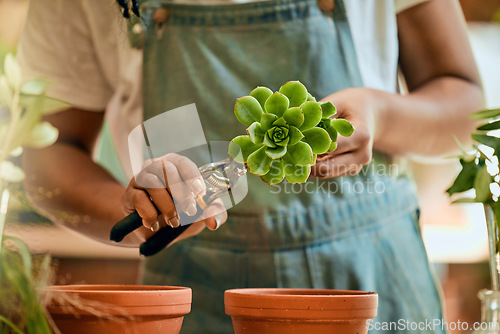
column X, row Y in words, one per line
column 299, row 311
column 108, row 309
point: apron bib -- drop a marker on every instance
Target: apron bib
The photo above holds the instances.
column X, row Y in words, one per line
column 355, row 232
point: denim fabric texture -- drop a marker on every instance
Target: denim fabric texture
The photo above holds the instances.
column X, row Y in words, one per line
column 358, row 232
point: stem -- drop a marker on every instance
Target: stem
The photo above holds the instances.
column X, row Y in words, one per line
column 494, row 257
column 15, row 115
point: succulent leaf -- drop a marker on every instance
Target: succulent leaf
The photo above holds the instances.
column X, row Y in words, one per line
column 301, row 153
column 256, row 133
column 276, row 104
column 276, row 153
column 295, row 91
column 247, row 110
column 294, row 116
column 328, row 109
column 310, row 97
column 295, row 135
column 312, row 115
column 268, row 140
column 261, row 94
column 295, row 173
column 318, row 139
column 244, row 145
column 276, row 173
column 343, row 127
column 259, row 163
column 267, row 120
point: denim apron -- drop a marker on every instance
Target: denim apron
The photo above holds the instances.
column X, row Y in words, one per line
column 358, row 232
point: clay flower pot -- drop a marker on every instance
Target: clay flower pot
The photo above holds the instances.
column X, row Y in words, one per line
column 299, row 311
column 104, row 309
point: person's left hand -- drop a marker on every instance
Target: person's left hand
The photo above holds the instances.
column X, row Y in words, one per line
column 360, row 107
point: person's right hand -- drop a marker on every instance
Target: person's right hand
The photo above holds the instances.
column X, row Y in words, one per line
column 163, row 188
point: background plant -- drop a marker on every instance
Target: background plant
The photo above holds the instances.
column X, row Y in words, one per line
column 286, row 131
column 479, row 181
column 22, row 105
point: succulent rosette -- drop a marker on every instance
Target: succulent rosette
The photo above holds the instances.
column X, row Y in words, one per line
column 286, row 131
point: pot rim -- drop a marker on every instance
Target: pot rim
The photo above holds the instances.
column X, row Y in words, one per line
column 123, row 295
column 300, row 299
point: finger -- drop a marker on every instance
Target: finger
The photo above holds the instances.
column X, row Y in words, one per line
column 144, row 207
column 214, row 215
column 154, row 186
column 189, row 172
column 345, row 164
column 181, row 194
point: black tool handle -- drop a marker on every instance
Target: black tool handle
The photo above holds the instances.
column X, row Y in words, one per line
column 125, row 226
column 161, row 239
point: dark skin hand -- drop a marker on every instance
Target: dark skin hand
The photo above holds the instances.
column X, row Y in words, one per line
column 444, row 89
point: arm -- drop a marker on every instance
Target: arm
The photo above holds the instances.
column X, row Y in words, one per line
column 444, row 88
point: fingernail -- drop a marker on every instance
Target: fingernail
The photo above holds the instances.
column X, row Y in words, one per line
column 174, row 222
column 198, row 187
column 155, row 227
column 218, row 220
column 191, row 209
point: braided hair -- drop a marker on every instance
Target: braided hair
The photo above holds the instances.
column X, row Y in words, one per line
column 126, row 7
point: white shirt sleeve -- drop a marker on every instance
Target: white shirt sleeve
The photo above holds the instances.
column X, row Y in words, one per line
column 401, row 5
column 57, row 44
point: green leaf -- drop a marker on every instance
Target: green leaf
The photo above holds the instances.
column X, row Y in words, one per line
column 261, row 94
column 276, row 173
column 276, row 104
column 295, row 91
column 490, row 126
column 310, row 97
column 267, row 120
column 482, row 182
column 300, row 153
column 268, row 141
column 35, row 87
column 284, row 142
column 294, row 116
column 244, row 145
column 256, row 133
column 485, row 114
column 312, row 115
column 465, row 179
column 279, row 122
column 247, row 110
column 489, row 141
column 332, row 147
column 318, row 139
column 295, row 135
column 343, row 127
column 295, row 173
column 332, row 133
column 258, row 162
column 43, row 104
column 464, row 200
column 328, row 109
column 276, row 153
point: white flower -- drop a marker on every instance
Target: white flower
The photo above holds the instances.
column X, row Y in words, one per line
column 43, row 134
column 5, row 92
column 10, row 172
column 12, row 71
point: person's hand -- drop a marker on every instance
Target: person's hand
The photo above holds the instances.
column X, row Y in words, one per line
column 163, row 188
column 358, row 106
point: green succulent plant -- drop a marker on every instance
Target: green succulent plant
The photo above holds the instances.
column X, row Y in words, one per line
column 286, row 131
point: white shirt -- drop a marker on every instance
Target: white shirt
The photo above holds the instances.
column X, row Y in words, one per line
column 82, row 47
